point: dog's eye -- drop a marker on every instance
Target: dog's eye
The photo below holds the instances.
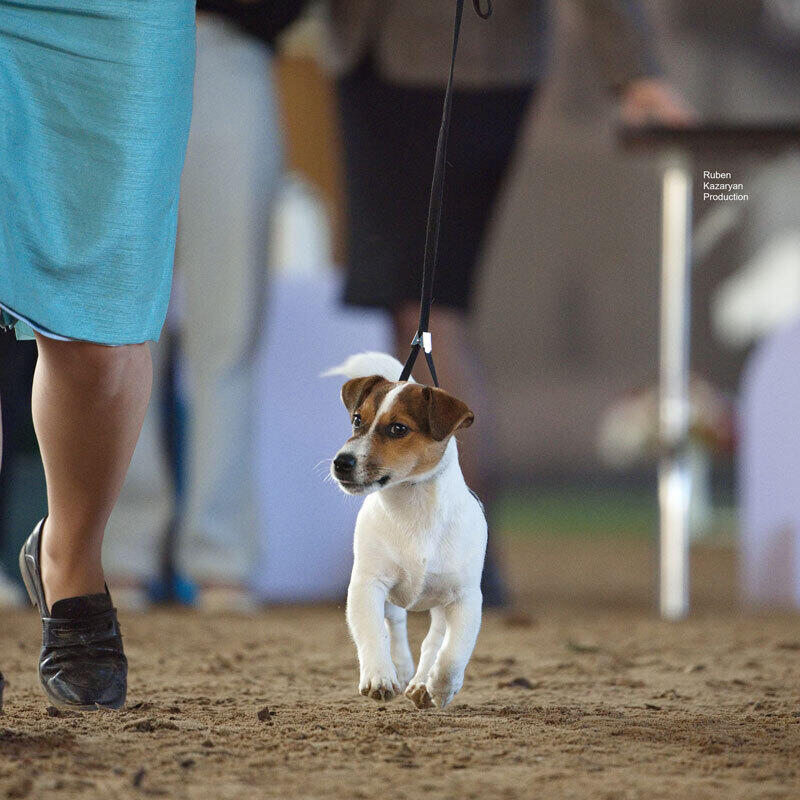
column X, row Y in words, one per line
column 356, row 420
column 397, row 429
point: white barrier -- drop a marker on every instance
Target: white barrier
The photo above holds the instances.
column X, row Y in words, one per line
column 769, row 471
column 307, row 523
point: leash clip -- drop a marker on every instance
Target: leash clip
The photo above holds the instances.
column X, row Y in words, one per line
column 424, row 339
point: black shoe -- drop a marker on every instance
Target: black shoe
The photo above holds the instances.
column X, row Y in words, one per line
column 2, row 686
column 82, row 664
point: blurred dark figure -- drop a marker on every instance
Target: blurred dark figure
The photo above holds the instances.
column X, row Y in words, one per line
column 233, row 168
column 23, row 496
column 391, row 59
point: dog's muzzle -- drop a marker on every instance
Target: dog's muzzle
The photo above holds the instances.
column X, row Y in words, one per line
column 344, row 466
column 351, row 478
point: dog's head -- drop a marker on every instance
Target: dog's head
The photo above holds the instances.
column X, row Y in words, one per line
column 400, row 432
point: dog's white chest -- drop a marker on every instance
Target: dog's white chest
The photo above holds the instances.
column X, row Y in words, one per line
column 423, row 544
column 422, row 590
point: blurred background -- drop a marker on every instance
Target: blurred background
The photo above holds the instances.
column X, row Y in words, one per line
column 226, row 502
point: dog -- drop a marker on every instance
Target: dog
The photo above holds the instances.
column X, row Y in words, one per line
column 420, row 536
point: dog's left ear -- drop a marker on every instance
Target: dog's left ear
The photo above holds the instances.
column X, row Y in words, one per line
column 355, row 391
column 446, row 414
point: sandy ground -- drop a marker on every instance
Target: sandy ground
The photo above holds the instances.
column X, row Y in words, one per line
column 582, row 694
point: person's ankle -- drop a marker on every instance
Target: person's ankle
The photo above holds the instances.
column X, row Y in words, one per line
column 60, row 583
column 68, row 571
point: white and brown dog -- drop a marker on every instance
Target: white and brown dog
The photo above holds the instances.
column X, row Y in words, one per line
column 420, row 536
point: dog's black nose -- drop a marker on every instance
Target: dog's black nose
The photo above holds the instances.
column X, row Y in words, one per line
column 344, row 463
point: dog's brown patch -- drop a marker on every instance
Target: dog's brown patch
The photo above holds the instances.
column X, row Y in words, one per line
column 431, row 416
column 446, row 414
column 356, row 391
column 429, row 411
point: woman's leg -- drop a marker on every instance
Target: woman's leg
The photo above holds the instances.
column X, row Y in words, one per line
column 88, row 405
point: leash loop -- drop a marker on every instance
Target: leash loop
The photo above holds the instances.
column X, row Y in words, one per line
column 422, row 339
column 483, row 14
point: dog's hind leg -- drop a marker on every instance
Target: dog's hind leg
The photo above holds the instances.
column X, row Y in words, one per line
column 417, row 689
column 398, row 637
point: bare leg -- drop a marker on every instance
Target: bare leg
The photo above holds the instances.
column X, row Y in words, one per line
column 417, row 689
column 396, row 623
column 89, row 402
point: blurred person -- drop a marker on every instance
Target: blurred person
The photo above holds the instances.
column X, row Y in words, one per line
column 95, row 102
column 232, row 173
column 23, row 498
column 391, row 60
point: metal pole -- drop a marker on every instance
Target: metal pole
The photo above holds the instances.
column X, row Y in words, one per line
column 674, row 481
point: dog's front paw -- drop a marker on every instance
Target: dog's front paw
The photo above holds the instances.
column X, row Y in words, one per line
column 418, row 694
column 379, row 684
column 442, row 690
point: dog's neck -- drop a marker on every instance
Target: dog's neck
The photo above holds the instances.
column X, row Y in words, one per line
column 433, row 489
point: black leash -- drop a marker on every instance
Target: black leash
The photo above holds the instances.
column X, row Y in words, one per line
column 422, row 339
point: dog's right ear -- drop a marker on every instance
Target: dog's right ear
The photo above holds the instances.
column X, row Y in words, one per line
column 446, row 414
column 355, row 391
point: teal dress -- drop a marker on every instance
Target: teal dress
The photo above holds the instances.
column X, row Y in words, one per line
column 95, row 103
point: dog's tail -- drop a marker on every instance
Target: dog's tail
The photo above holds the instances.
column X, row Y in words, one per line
column 362, row 365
